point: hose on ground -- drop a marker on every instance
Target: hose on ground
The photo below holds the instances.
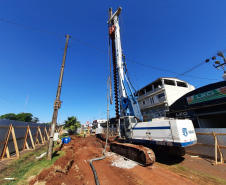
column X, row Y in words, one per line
column 97, row 159
column 100, row 158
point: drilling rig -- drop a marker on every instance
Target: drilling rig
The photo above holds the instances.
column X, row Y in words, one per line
column 132, row 132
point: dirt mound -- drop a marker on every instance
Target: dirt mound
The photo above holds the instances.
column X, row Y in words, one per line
column 68, row 169
column 74, row 168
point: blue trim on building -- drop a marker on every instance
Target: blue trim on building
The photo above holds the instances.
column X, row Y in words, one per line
column 164, row 143
column 146, row 128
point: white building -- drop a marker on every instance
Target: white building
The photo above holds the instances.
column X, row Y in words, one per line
column 99, row 122
column 155, row 98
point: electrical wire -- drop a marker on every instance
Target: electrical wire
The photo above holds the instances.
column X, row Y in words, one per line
column 12, row 102
column 90, row 45
column 200, row 64
column 102, row 49
column 169, row 71
column 100, row 115
column 31, row 27
column 15, row 104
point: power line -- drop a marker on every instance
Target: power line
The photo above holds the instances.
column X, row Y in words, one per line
column 105, row 51
column 198, row 65
column 12, row 102
column 100, row 115
column 168, row 70
column 31, row 27
column 90, row 45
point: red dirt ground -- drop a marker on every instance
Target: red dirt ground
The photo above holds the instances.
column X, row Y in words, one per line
column 74, row 168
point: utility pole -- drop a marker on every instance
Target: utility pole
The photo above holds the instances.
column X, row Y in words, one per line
column 222, row 65
column 57, row 104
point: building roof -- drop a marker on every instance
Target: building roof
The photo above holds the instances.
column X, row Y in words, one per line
column 169, row 78
column 182, row 103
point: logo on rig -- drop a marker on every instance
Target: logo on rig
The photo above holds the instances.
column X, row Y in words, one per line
column 185, row 132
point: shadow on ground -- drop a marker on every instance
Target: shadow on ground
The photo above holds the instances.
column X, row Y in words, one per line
column 55, row 154
column 168, row 159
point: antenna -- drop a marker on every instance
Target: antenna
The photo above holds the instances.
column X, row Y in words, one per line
column 26, row 104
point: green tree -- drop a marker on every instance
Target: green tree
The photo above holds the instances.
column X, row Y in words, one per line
column 49, row 123
column 25, row 117
column 72, row 123
column 35, row 120
column 10, row 116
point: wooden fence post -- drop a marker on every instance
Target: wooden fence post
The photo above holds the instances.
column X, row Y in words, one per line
column 25, row 139
column 7, row 152
column 33, row 145
column 217, row 149
column 41, row 135
column 6, row 143
column 49, row 130
column 47, row 135
column 61, row 131
column 15, row 143
column 36, row 138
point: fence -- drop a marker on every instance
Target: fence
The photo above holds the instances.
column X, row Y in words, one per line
column 211, row 142
column 17, row 136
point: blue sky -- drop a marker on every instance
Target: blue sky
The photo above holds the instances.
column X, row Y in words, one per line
column 170, row 34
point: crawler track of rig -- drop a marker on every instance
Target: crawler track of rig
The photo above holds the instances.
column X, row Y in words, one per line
column 138, row 153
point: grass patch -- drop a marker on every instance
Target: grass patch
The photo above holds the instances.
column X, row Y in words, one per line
column 192, row 175
column 66, row 134
column 27, row 166
column 63, row 135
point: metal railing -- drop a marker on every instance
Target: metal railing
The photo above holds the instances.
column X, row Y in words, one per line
column 150, row 92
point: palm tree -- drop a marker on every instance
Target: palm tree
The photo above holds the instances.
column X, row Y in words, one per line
column 72, row 123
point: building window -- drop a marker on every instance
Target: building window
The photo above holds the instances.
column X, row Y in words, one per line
column 152, row 100
column 161, row 95
column 144, row 102
column 169, row 82
column 181, row 84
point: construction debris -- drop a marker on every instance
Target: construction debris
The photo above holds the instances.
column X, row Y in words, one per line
column 11, row 179
column 120, row 161
column 41, row 156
